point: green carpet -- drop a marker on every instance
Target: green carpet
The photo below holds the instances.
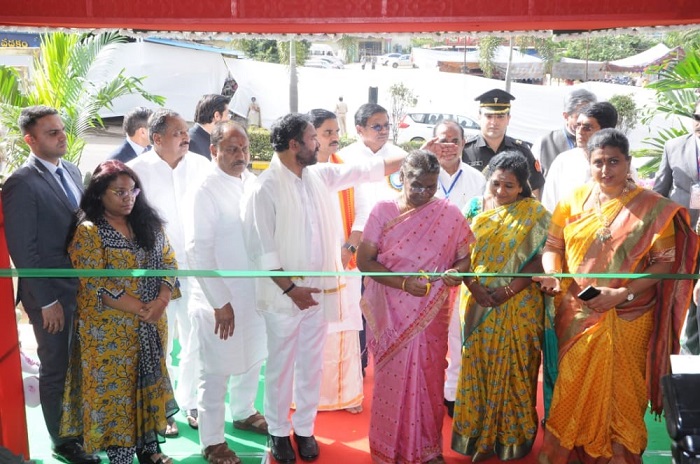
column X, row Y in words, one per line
column 249, row 446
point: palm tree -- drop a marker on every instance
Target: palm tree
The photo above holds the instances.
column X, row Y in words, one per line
column 60, row 80
column 675, row 98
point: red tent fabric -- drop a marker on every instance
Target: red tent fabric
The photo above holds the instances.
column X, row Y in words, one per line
column 13, row 420
column 351, row 16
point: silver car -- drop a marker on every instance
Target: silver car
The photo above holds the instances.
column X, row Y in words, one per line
column 418, row 126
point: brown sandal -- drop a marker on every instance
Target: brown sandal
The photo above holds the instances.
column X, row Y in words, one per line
column 255, row 423
column 220, row 454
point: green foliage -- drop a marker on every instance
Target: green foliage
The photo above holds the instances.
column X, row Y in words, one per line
column 546, row 49
column 487, row 52
column 401, row 98
column 688, row 39
column 258, row 49
column 675, row 98
column 425, row 42
column 349, row 47
column 60, row 80
column 607, row 48
column 627, row 112
column 301, row 49
column 260, row 146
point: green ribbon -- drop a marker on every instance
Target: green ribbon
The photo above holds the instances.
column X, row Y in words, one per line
column 225, row 273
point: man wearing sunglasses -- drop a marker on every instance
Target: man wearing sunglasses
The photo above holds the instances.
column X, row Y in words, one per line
column 571, row 168
column 678, row 178
column 373, row 131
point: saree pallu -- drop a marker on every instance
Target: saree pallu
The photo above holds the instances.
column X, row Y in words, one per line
column 610, row 363
column 495, row 409
column 407, row 335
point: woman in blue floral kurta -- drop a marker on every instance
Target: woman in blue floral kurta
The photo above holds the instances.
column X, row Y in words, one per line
column 118, row 394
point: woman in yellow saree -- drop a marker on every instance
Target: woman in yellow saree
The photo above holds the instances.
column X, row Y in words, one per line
column 613, row 347
column 495, row 409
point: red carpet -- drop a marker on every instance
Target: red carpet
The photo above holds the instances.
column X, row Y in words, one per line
column 343, row 436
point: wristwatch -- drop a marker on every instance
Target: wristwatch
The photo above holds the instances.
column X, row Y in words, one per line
column 630, row 295
column 351, row 248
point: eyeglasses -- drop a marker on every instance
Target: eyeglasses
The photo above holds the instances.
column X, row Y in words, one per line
column 696, row 116
column 584, row 127
column 121, row 194
column 421, row 190
column 379, row 127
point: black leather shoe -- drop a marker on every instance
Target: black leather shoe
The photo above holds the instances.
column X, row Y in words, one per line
column 307, row 447
column 73, row 453
column 450, row 405
column 281, row 449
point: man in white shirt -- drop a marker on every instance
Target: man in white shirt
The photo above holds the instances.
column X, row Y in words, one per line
column 341, row 387
column 230, row 331
column 341, row 110
column 169, row 174
column 373, row 131
column 459, row 183
column 289, row 226
column 571, row 169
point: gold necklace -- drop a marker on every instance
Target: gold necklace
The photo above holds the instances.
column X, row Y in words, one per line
column 604, row 233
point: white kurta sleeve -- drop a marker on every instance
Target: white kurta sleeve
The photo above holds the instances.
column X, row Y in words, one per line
column 259, row 228
column 201, row 244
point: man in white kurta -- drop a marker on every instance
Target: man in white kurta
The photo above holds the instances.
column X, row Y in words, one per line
column 169, row 174
column 230, row 331
column 289, row 226
column 571, row 169
column 341, row 387
column 373, row 131
column 459, row 183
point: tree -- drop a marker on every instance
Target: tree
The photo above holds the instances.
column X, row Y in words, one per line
column 688, row 39
column 487, row 52
column 348, row 46
column 60, row 80
column 607, row 48
column 301, row 49
column 627, row 112
column 401, row 98
column 675, row 99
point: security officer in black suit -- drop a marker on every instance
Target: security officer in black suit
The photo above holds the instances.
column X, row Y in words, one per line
column 494, row 116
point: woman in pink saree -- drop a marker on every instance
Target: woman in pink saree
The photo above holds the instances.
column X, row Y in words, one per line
column 407, row 316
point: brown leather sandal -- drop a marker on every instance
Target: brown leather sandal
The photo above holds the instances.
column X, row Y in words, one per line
column 220, row 454
column 255, row 423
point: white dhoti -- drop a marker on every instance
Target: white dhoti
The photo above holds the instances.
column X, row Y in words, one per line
column 341, row 387
column 179, row 323
column 294, row 369
column 454, row 352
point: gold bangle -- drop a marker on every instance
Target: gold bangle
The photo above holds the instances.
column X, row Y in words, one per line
column 403, row 284
column 427, row 289
column 509, row 291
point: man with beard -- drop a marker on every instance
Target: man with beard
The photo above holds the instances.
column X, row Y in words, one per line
column 494, row 117
column 169, row 174
column 342, row 370
column 39, row 201
column 215, row 241
column 678, row 178
column 289, row 226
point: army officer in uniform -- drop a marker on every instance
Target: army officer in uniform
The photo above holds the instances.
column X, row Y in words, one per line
column 494, row 116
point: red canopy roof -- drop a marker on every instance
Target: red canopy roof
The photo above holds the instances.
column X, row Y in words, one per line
column 349, row 16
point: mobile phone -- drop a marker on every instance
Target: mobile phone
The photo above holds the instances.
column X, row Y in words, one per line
column 588, row 293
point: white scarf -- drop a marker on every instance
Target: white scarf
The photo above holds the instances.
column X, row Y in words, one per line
column 294, row 253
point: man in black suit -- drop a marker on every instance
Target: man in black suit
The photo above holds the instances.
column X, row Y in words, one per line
column 39, row 201
column 678, row 178
column 210, row 109
column 135, row 127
